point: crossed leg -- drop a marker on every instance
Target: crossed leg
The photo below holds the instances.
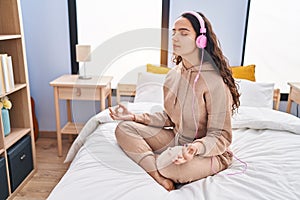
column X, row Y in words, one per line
column 140, row 142
column 197, row 168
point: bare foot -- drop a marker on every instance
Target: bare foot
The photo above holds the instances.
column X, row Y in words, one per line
column 166, row 183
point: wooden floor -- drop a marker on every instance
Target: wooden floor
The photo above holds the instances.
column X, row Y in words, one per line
column 50, row 169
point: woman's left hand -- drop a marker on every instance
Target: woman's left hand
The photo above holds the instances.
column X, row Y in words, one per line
column 188, row 153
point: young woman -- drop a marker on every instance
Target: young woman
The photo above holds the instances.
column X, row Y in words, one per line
column 200, row 96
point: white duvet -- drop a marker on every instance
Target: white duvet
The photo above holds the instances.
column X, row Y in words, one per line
column 266, row 144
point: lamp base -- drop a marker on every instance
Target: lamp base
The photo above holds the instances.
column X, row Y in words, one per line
column 85, row 77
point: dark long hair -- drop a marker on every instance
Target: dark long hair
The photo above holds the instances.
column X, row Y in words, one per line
column 214, row 55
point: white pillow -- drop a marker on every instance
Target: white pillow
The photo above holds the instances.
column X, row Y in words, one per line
column 255, row 94
column 265, row 118
column 149, row 88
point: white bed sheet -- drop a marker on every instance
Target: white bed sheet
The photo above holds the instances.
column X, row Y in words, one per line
column 101, row 170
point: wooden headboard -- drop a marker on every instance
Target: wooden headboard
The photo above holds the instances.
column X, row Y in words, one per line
column 276, row 99
column 125, row 90
column 129, row 90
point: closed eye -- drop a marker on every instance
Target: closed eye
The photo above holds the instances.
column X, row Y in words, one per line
column 182, row 31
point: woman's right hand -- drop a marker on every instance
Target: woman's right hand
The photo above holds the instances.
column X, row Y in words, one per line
column 187, row 154
column 120, row 112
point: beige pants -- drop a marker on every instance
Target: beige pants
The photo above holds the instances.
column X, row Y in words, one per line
column 139, row 141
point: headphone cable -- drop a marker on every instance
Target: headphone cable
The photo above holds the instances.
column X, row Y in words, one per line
column 196, row 124
column 194, row 93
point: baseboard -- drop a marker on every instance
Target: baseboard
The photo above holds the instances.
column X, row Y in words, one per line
column 50, row 134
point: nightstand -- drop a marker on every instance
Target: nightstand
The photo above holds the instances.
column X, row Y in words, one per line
column 70, row 87
column 294, row 95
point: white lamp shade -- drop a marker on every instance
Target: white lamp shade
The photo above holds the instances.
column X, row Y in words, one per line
column 83, row 53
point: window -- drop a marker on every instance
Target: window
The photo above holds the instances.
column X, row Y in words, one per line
column 123, row 35
column 273, row 41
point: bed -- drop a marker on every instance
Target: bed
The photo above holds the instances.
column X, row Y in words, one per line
column 266, row 145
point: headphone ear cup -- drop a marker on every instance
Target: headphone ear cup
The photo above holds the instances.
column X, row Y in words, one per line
column 201, row 41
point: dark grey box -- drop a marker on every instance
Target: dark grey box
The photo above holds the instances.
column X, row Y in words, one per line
column 3, row 180
column 20, row 161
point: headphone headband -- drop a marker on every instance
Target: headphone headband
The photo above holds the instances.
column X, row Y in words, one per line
column 200, row 19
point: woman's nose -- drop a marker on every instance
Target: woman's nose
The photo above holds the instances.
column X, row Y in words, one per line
column 174, row 37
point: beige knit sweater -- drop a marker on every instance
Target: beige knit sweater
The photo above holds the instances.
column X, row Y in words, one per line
column 208, row 111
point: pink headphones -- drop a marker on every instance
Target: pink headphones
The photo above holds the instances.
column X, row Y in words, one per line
column 201, row 40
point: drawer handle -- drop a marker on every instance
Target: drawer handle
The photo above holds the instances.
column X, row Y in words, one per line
column 78, row 92
column 23, row 157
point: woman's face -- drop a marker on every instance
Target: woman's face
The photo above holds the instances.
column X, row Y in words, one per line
column 183, row 37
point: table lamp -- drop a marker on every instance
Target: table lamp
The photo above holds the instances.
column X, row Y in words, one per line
column 83, row 54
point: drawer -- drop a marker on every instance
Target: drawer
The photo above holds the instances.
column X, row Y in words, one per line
column 3, row 180
column 79, row 93
column 20, row 161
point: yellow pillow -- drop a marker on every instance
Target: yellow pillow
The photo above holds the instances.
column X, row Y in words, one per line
column 244, row 72
column 157, row 69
